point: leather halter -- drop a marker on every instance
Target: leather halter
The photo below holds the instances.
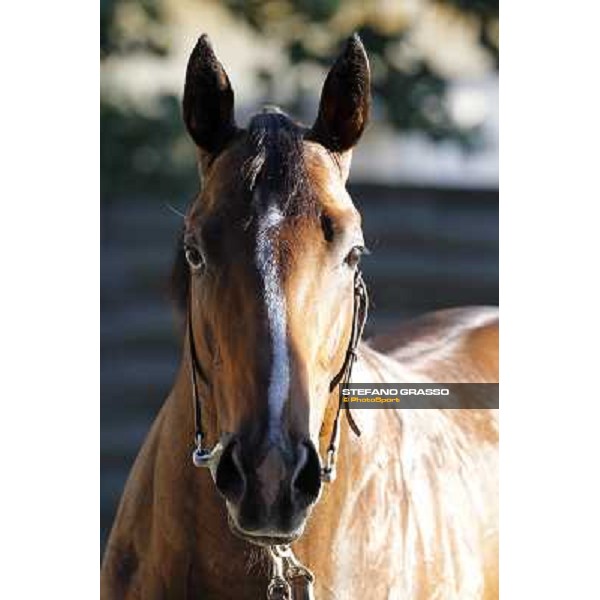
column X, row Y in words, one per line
column 203, row 457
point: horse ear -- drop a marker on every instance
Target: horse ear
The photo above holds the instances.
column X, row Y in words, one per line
column 345, row 99
column 208, row 100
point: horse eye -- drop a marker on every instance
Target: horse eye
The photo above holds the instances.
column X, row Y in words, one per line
column 194, row 258
column 353, row 257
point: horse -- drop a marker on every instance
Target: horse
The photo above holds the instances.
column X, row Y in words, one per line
column 266, row 275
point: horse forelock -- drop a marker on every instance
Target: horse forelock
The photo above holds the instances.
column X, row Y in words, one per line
column 274, row 168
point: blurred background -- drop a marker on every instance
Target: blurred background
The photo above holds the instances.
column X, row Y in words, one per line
column 425, row 175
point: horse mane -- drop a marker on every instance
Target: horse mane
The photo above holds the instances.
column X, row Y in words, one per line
column 273, row 170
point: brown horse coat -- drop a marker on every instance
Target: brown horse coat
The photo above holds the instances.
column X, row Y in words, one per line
column 272, row 256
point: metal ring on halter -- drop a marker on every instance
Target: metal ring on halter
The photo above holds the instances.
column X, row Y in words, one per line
column 328, row 472
column 279, row 589
column 203, row 458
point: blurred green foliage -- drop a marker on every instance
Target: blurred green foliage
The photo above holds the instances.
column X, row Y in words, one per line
column 412, row 95
column 114, row 40
column 143, row 153
column 148, row 152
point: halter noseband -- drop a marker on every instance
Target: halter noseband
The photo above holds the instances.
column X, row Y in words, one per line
column 203, row 457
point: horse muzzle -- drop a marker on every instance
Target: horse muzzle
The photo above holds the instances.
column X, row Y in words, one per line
column 269, row 490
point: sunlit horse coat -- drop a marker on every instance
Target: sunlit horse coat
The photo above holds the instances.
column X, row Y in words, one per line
column 413, row 512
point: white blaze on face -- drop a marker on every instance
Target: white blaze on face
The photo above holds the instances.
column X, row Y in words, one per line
column 279, row 382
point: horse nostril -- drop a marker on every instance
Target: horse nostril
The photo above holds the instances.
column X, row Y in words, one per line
column 306, row 481
column 230, row 480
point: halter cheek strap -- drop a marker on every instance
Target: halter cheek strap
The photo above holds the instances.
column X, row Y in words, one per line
column 202, row 457
column 359, row 319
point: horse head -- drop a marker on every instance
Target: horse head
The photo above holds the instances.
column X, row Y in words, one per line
column 268, row 263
